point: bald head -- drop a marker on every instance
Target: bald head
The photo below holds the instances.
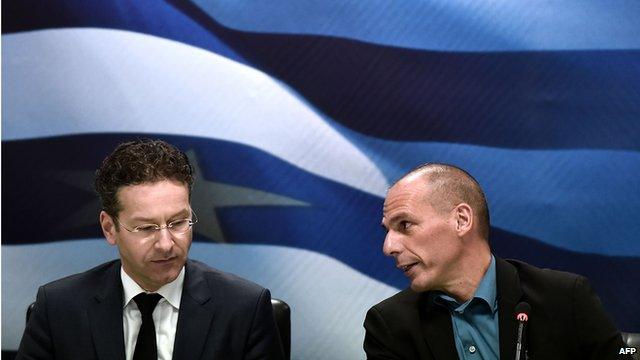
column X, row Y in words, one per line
column 449, row 186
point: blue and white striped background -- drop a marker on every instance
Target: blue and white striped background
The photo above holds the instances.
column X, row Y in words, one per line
column 299, row 114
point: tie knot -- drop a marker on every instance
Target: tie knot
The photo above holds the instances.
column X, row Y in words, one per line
column 147, row 302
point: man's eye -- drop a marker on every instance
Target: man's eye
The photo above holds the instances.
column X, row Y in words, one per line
column 146, row 228
column 405, row 225
column 179, row 224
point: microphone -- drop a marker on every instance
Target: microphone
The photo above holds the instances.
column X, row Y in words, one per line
column 522, row 316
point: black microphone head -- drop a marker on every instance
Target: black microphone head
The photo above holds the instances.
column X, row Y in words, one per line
column 522, row 311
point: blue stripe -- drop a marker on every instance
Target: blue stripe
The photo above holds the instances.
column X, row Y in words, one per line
column 525, row 189
column 541, row 100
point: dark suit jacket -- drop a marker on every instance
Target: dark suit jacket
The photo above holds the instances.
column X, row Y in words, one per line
column 221, row 317
column 566, row 321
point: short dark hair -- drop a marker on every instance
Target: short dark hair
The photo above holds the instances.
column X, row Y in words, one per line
column 453, row 185
column 137, row 162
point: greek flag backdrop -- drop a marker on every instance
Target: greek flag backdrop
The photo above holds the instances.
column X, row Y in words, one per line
column 298, row 115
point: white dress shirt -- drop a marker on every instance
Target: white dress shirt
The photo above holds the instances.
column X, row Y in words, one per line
column 165, row 315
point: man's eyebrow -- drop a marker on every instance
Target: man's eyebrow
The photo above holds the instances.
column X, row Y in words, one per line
column 398, row 216
column 395, row 218
column 183, row 212
column 142, row 219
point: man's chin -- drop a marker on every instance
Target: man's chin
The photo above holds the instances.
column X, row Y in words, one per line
column 170, row 276
column 167, row 276
column 419, row 286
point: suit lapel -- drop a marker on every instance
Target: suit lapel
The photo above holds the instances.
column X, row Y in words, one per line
column 437, row 329
column 105, row 316
column 509, row 294
column 196, row 314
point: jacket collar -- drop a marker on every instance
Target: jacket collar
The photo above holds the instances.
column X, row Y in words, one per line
column 105, row 315
column 196, row 314
column 437, row 329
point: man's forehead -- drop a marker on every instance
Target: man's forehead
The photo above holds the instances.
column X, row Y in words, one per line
column 148, row 197
column 410, row 184
column 403, row 194
column 412, row 190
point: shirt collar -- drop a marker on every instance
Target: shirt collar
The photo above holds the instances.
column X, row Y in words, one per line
column 172, row 292
column 486, row 291
column 487, row 288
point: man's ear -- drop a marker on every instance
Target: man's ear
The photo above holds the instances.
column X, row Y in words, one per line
column 108, row 227
column 464, row 218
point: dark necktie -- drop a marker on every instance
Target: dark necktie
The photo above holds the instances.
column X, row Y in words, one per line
column 146, row 348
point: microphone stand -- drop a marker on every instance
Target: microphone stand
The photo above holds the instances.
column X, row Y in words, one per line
column 522, row 316
column 519, row 345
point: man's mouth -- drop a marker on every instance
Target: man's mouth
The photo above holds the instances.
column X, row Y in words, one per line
column 406, row 267
column 163, row 261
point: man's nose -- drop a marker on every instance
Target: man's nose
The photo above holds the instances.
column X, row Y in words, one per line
column 392, row 244
column 165, row 240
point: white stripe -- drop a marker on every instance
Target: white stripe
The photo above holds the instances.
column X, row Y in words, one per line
column 78, row 81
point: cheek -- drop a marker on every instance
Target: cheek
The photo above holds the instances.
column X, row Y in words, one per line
column 431, row 245
column 139, row 252
column 183, row 244
column 422, row 250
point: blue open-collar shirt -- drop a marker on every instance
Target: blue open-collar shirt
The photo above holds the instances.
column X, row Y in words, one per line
column 475, row 322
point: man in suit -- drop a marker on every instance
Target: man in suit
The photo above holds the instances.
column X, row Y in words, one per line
column 153, row 303
column 462, row 298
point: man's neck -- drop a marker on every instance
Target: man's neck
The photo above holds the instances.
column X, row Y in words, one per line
column 474, row 267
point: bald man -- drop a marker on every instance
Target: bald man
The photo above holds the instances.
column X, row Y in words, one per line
column 462, row 300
